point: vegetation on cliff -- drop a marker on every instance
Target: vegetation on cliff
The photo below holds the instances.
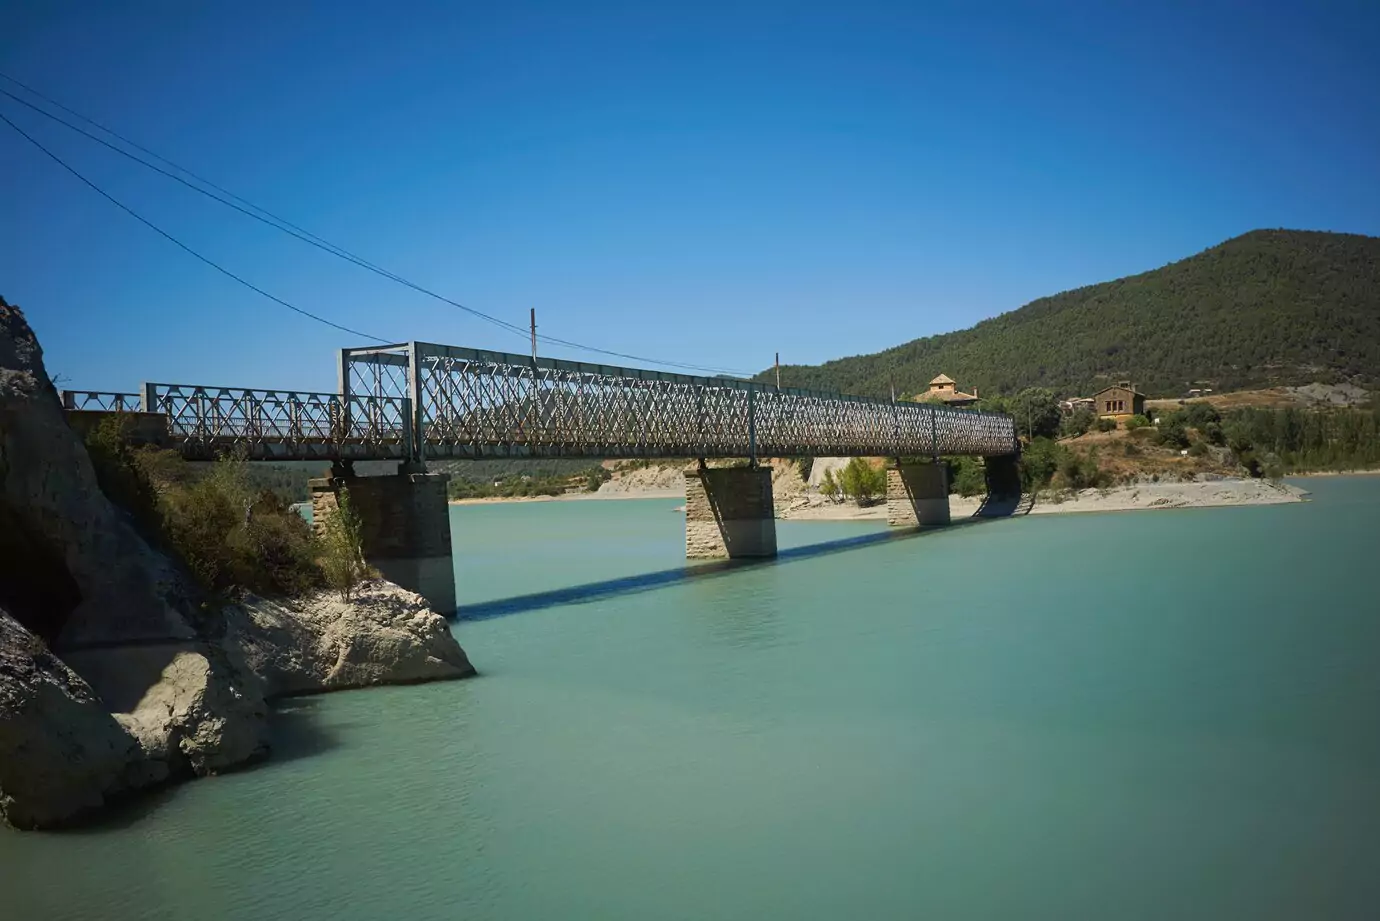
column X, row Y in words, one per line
column 230, row 533
column 1267, row 308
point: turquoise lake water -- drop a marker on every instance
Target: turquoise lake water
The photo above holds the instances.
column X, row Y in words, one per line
column 1145, row 715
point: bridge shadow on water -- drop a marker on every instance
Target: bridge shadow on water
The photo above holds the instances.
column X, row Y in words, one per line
column 651, row 581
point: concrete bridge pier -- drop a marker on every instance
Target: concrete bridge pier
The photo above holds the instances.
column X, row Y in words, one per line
column 917, row 494
column 404, row 528
column 729, row 513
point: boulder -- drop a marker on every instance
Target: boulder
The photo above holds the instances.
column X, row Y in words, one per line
column 61, row 753
column 188, row 707
column 383, row 635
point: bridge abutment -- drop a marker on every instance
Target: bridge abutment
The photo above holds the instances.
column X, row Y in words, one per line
column 729, row 513
column 404, row 529
column 917, row 494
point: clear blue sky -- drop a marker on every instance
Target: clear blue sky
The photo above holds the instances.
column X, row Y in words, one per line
column 703, row 182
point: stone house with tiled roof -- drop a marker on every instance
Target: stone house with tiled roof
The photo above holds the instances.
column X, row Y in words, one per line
column 945, row 389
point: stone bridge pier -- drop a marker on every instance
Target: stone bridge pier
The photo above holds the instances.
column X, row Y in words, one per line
column 917, row 494
column 729, row 513
column 404, row 528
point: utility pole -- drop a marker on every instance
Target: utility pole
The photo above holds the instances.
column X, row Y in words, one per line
column 534, row 335
column 778, row 370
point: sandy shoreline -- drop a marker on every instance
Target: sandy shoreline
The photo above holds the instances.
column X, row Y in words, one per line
column 578, row 497
column 1335, row 473
column 1149, row 496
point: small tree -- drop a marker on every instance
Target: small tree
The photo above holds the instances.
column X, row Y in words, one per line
column 1172, row 433
column 1077, row 423
column 829, row 486
column 342, row 559
column 1039, row 462
column 1137, row 421
column 967, row 476
column 1036, row 411
column 862, row 482
column 596, row 477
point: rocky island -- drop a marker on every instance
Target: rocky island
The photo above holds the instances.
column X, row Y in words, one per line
column 117, row 671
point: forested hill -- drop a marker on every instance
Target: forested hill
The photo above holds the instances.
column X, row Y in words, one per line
column 1272, row 307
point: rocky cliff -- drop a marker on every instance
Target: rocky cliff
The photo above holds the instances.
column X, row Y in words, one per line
column 115, row 674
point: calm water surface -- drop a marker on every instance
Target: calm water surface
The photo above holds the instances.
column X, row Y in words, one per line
column 1139, row 715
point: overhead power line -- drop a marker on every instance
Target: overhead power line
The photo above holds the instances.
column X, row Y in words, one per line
column 230, row 201
column 264, row 216
column 183, row 246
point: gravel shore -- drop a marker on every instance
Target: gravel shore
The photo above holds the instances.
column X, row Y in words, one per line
column 813, row 507
column 1122, row 498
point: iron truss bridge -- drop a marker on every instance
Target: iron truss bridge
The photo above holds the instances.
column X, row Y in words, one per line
column 416, row 401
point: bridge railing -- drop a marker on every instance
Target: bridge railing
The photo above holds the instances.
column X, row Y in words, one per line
column 101, row 401
column 287, row 424
column 205, row 422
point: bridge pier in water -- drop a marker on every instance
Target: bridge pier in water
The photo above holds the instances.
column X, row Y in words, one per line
column 917, row 494
column 729, row 513
column 404, row 528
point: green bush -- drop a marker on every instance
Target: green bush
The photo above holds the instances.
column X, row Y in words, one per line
column 279, row 548
column 1036, row 411
column 228, row 534
column 1039, row 462
column 1172, row 433
column 200, row 521
column 1198, row 415
column 1137, row 421
column 1106, row 425
column 1077, row 423
column 1197, row 449
column 1077, row 471
column 122, row 476
column 829, row 487
column 862, row 482
column 967, row 477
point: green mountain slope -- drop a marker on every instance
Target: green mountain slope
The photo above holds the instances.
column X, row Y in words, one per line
column 1270, row 308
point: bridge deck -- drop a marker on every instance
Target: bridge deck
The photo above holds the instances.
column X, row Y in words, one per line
column 418, row 401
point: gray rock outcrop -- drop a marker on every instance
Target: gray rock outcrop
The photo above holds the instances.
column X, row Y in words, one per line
column 61, row 753
column 383, row 635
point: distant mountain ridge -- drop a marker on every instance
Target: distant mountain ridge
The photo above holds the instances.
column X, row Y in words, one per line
column 1268, row 308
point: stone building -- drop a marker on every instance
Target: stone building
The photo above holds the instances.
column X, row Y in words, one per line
column 1118, row 401
column 943, row 388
